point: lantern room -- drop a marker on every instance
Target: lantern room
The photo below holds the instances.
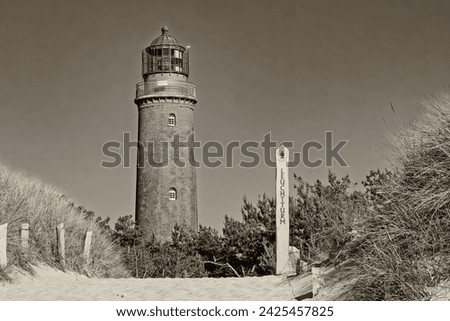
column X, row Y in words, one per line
column 165, row 55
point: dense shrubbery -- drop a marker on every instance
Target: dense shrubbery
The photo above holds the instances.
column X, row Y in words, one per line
column 246, row 247
column 323, row 218
column 189, row 254
column 146, row 259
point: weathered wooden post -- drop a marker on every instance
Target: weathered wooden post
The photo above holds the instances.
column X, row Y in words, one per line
column 282, row 211
column 87, row 246
column 3, row 240
column 317, row 279
column 24, row 235
column 61, row 244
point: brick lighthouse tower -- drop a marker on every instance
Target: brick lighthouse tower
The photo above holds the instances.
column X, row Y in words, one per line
column 166, row 192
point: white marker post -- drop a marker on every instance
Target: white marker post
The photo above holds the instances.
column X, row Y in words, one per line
column 87, row 246
column 3, row 241
column 25, row 235
column 282, row 216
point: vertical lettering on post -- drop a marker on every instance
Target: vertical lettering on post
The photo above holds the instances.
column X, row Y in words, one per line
column 282, row 211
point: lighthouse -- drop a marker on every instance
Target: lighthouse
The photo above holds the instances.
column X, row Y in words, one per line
column 166, row 191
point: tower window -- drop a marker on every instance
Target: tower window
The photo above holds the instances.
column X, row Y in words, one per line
column 172, row 120
column 173, row 194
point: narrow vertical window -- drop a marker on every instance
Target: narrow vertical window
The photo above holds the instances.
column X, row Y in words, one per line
column 173, row 194
column 172, row 120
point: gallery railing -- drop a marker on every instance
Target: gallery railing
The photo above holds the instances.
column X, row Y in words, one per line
column 165, row 88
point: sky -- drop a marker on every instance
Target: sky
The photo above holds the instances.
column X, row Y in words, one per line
column 297, row 69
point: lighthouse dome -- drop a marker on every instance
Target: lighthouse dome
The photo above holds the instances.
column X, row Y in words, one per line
column 165, row 39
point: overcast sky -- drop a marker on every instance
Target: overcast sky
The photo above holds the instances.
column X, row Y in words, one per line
column 293, row 68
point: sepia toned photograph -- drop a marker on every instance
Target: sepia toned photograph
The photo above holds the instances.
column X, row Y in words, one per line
column 241, row 150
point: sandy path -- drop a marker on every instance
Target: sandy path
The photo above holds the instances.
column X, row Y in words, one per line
column 50, row 284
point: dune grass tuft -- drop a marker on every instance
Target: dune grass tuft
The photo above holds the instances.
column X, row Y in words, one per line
column 25, row 200
column 404, row 252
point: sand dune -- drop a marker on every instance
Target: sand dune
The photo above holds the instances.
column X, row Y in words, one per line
column 51, row 284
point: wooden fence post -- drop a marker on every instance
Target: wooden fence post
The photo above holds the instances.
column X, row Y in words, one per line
column 317, row 279
column 3, row 240
column 87, row 246
column 61, row 244
column 24, row 235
